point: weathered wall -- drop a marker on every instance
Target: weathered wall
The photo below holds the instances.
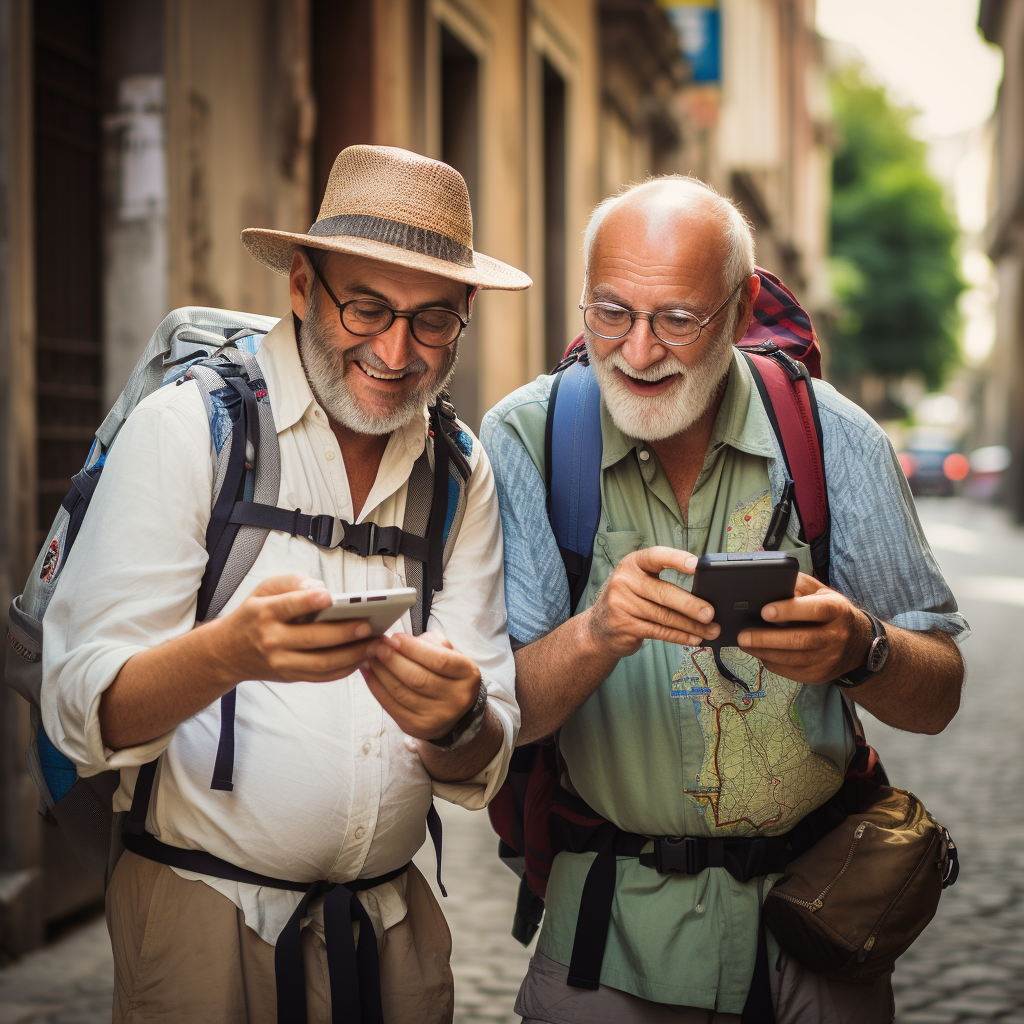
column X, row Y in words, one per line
column 239, row 126
column 21, row 881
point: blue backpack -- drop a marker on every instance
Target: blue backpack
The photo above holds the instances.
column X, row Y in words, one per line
column 217, row 349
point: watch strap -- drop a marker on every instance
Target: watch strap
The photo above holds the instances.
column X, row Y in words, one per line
column 467, row 727
column 863, row 672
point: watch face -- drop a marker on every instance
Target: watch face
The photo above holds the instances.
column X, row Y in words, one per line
column 878, row 654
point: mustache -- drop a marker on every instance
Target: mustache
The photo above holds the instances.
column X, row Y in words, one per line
column 670, row 367
column 364, row 353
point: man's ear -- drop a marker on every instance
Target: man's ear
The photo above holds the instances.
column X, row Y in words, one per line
column 470, row 296
column 300, row 283
column 751, row 289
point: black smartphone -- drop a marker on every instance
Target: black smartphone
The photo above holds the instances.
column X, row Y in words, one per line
column 738, row 585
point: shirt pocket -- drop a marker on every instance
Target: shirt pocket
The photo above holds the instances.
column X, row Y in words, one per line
column 611, row 548
column 800, row 551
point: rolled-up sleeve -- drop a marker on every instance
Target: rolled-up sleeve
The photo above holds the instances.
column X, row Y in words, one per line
column 881, row 559
column 131, row 579
column 536, row 589
column 470, row 611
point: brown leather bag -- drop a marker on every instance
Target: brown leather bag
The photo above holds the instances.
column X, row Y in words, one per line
column 854, row 902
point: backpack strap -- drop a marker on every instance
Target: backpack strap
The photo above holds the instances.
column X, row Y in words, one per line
column 788, row 397
column 438, row 482
column 572, row 470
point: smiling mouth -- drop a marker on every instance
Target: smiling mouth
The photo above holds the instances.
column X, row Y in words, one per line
column 646, row 387
column 388, row 375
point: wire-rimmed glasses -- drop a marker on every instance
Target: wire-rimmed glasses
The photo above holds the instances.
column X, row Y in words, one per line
column 676, row 327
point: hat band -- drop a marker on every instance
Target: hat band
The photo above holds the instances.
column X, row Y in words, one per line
column 393, row 232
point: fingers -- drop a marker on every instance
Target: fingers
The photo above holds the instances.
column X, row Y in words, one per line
column 430, row 637
column 823, row 605
column 284, row 584
column 295, row 603
column 316, row 666
column 662, row 623
column 320, row 635
column 671, row 596
column 420, row 656
column 773, row 641
column 657, row 559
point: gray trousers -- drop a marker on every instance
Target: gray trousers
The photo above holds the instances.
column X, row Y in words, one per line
column 800, row 997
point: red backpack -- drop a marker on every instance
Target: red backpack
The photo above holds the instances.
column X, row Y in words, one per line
column 534, row 817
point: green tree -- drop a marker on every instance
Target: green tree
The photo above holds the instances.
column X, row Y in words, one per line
column 893, row 240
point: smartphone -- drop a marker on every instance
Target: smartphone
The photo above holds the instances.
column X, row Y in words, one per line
column 738, row 585
column 382, row 607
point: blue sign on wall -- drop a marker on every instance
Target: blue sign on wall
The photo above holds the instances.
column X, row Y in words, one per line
column 697, row 24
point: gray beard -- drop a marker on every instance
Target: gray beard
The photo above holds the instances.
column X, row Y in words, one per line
column 657, row 417
column 327, row 369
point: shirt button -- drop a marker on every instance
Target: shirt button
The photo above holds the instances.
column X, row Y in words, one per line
column 644, row 454
column 367, row 746
column 699, row 908
column 360, row 832
column 328, row 456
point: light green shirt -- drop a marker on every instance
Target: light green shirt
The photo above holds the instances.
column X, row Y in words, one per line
column 666, row 746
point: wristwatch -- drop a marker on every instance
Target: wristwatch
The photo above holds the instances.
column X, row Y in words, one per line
column 874, row 660
column 467, row 727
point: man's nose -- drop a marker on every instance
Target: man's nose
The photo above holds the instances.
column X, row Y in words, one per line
column 396, row 346
column 641, row 347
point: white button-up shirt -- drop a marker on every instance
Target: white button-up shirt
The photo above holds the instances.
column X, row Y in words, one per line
column 326, row 785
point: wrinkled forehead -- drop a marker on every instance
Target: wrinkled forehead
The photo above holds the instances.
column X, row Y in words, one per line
column 661, row 235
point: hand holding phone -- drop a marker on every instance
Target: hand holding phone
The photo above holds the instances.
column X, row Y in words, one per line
column 739, row 584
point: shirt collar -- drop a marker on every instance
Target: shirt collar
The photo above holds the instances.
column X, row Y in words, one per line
column 741, row 423
column 278, row 356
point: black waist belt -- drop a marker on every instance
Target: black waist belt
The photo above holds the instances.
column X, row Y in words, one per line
column 743, row 858
column 353, row 970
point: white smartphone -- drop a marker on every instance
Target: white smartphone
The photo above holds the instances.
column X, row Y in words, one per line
column 382, row 607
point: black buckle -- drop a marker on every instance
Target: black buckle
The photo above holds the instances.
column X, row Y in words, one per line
column 679, row 855
column 386, row 541
column 321, row 530
column 359, row 538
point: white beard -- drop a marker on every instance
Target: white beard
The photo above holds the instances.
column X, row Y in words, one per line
column 656, row 417
column 326, row 369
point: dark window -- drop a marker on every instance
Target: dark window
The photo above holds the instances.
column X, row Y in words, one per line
column 460, row 147
column 555, row 339
column 67, row 97
column 342, row 83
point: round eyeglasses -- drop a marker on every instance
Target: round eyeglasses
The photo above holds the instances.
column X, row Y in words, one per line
column 676, row 327
column 366, row 318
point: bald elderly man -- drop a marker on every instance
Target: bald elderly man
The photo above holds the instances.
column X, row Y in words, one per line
column 689, row 456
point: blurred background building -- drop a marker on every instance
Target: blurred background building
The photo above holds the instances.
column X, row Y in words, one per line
column 138, row 138
column 1002, row 22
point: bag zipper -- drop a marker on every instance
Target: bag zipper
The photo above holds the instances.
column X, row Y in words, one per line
column 862, row 953
column 816, row 904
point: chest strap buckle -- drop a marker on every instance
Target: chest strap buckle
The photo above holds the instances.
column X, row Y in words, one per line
column 681, row 855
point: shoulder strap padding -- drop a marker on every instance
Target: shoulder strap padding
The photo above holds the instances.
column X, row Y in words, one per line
column 435, row 506
column 188, row 326
column 572, row 469
column 249, row 540
column 788, row 397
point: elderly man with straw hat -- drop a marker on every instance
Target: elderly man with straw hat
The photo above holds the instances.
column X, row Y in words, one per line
column 340, row 738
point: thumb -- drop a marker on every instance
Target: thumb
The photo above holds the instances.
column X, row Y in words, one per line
column 285, row 584
column 658, row 558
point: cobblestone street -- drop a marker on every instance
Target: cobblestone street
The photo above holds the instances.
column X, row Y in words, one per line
column 967, row 967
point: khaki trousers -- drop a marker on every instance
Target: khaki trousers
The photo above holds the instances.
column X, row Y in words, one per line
column 182, row 952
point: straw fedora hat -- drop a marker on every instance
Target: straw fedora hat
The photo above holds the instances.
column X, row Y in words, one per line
column 392, row 205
